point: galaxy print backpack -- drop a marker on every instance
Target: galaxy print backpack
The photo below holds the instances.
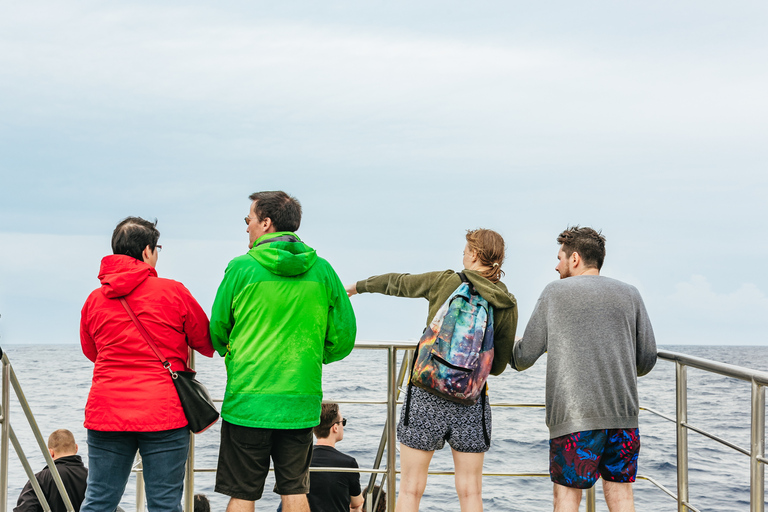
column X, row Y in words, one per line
column 455, row 353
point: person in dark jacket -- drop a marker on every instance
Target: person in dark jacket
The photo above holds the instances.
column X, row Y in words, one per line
column 133, row 405
column 63, row 450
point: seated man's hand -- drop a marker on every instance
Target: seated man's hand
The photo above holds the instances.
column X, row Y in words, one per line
column 356, row 503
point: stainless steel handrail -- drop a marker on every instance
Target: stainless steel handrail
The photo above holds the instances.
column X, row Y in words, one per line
column 389, row 473
column 5, row 431
column 7, row 434
column 756, row 453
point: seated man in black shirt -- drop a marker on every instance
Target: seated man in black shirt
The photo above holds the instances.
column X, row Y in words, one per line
column 333, row 492
column 63, row 450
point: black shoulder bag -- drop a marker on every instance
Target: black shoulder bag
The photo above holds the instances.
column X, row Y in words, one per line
column 195, row 399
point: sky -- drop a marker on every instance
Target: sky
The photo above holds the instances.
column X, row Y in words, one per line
column 398, row 125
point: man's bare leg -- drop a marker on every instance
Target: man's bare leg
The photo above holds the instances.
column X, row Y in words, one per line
column 238, row 505
column 618, row 496
column 567, row 499
column 295, row 503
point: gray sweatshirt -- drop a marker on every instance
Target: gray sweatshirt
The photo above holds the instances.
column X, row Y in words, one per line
column 598, row 339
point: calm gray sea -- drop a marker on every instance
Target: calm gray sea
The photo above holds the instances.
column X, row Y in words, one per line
column 56, row 380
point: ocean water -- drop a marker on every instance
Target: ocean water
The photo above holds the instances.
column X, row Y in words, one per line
column 56, row 379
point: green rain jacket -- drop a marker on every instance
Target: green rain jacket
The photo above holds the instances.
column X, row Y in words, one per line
column 280, row 313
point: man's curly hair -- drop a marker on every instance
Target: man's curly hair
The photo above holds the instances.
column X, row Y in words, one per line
column 590, row 245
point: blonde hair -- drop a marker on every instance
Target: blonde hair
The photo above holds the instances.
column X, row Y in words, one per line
column 489, row 246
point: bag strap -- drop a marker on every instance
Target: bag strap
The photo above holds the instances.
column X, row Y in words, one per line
column 410, row 387
column 146, row 336
column 483, row 394
column 464, row 279
column 473, row 291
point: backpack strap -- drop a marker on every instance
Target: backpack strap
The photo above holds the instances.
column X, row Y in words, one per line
column 483, row 394
column 410, row 387
column 464, row 279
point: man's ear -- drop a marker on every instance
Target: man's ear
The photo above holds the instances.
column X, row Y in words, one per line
column 146, row 254
column 52, row 452
column 575, row 259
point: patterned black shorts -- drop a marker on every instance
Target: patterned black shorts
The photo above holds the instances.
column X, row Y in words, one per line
column 433, row 420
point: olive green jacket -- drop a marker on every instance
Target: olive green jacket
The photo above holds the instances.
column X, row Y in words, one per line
column 436, row 287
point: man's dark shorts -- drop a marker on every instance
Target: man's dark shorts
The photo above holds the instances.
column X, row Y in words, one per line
column 244, row 456
column 576, row 460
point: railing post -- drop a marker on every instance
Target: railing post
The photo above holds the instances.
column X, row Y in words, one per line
column 404, row 365
column 681, row 401
column 757, row 449
column 189, row 475
column 391, row 425
column 5, row 432
column 140, row 495
column 591, row 499
column 30, row 473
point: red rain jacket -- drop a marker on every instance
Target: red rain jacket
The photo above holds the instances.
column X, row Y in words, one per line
column 131, row 391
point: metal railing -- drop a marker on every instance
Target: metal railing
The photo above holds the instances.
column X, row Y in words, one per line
column 395, row 380
column 7, row 434
column 756, row 451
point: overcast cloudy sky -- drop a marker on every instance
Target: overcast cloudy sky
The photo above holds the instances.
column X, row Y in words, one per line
column 398, row 125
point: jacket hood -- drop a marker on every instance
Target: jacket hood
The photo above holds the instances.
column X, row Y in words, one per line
column 497, row 294
column 120, row 275
column 282, row 253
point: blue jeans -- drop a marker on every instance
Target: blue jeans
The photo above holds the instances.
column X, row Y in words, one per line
column 111, row 456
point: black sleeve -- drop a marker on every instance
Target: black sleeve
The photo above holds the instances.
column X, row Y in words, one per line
column 28, row 501
column 354, row 481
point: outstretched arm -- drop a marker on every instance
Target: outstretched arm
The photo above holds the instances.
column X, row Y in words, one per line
column 398, row 285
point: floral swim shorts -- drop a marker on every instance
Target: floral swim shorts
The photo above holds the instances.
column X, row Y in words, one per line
column 577, row 459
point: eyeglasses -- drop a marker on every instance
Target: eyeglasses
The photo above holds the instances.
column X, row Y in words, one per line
column 159, row 247
column 248, row 221
column 343, row 422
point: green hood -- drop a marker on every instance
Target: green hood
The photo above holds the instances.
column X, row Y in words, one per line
column 496, row 294
column 282, row 253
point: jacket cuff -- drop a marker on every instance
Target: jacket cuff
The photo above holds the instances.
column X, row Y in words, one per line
column 362, row 286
